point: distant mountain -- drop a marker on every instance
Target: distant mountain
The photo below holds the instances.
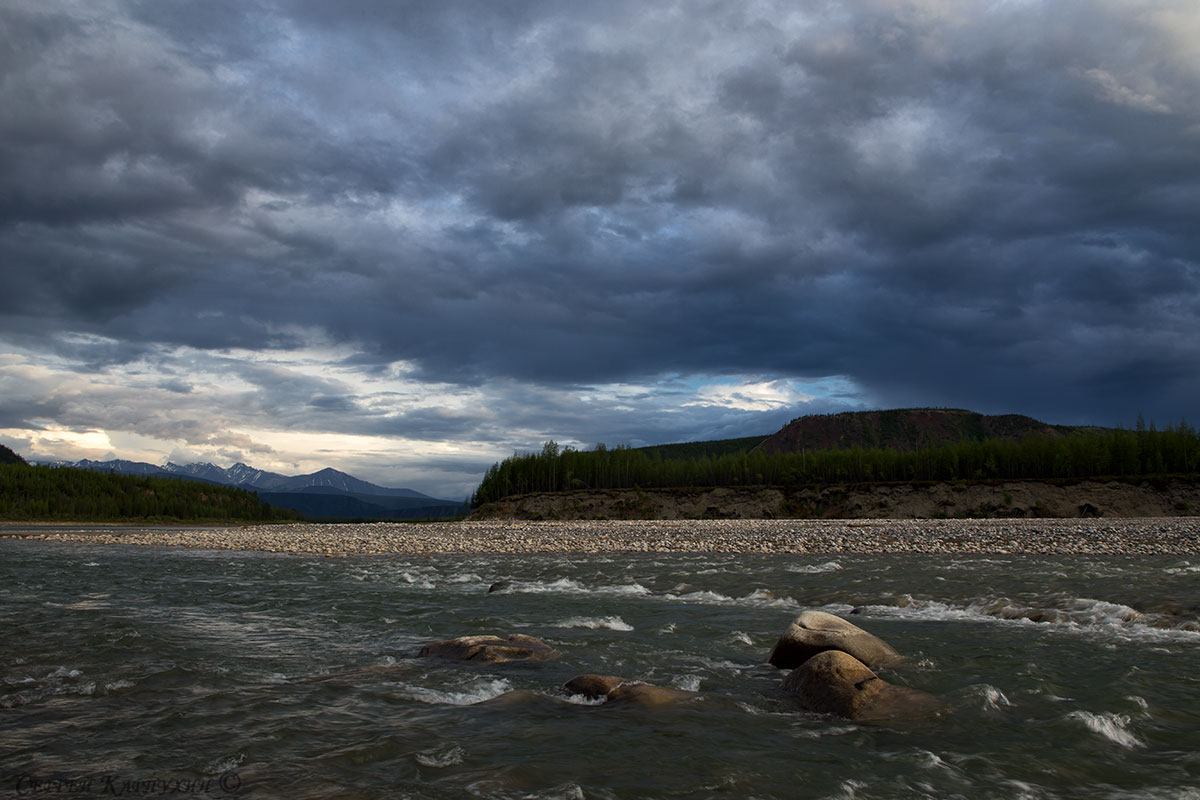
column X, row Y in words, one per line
column 118, row 467
column 325, row 493
column 332, row 503
column 902, row 429
column 205, row 472
column 333, row 479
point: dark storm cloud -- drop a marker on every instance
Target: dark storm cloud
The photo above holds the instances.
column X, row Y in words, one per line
column 990, row 207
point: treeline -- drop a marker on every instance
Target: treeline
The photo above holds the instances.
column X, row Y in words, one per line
column 1092, row 453
column 63, row 493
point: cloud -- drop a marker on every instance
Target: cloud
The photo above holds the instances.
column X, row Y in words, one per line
column 526, row 205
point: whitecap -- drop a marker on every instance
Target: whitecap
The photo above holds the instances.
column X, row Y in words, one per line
column 848, row 790
column 420, row 581
column 809, row 732
column 86, row 605
column 567, row 791
column 765, row 598
column 446, row 756
column 1087, row 611
column 991, row 698
column 595, row 623
column 927, row 759
column 20, row 681
column 65, row 672
column 1074, row 614
column 569, row 586
column 815, row 569
column 1140, row 702
column 689, row 683
column 1113, row 727
column 704, row 597
column 1024, row 791
column 483, row 690
column 722, row 664
column 223, row 765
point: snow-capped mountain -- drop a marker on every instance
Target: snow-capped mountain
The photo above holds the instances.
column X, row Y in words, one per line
column 119, row 466
column 247, row 477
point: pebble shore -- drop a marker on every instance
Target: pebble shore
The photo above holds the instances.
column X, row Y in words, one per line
column 1169, row 535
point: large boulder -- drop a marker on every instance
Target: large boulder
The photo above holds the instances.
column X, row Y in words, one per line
column 814, row 632
column 624, row 690
column 833, row 682
column 491, row 649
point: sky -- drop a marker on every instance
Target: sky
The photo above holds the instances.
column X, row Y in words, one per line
column 406, row 239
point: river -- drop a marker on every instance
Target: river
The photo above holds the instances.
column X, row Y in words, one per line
column 145, row 671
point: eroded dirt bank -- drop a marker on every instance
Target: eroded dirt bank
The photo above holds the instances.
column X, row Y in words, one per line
column 1159, row 497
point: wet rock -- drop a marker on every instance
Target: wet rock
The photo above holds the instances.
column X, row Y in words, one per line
column 833, row 682
column 491, row 649
column 647, row 694
column 593, row 687
column 624, row 690
column 814, row 632
column 499, row 586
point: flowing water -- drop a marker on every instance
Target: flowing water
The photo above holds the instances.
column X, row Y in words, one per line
column 139, row 671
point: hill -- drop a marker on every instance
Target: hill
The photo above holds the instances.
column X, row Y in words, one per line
column 9, row 457
column 901, row 446
column 706, row 449
column 903, row 429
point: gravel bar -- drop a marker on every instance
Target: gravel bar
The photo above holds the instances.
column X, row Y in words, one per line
column 1177, row 535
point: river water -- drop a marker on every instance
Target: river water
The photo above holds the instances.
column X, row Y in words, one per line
column 140, row 671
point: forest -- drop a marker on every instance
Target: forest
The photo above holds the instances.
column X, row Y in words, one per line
column 1099, row 452
column 62, row 493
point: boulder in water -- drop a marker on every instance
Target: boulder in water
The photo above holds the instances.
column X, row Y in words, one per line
column 624, row 690
column 593, row 687
column 491, row 649
column 499, row 586
column 814, row 632
column 833, row 682
column 647, row 694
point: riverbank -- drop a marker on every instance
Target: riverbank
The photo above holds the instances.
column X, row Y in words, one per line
column 1170, row 535
column 1159, row 496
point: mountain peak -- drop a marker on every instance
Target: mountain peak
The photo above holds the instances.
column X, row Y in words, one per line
column 247, row 477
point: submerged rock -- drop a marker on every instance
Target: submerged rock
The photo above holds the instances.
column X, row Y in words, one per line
column 837, row 683
column 814, row 632
column 516, row 698
column 499, row 586
column 491, row 649
column 593, row 687
column 624, row 690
